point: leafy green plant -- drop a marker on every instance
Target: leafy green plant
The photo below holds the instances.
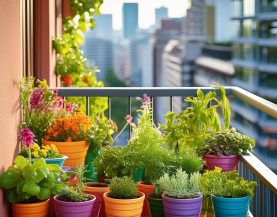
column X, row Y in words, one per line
column 25, row 181
column 75, row 192
column 116, row 161
column 228, row 142
column 190, row 128
column 180, row 185
column 226, row 184
column 123, row 188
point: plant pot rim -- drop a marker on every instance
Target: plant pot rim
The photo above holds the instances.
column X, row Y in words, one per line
column 56, row 158
column 75, row 202
column 50, row 141
column 152, row 198
column 107, row 185
column 220, row 156
column 186, row 199
column 227, row 198
column 32, row 204
column 142, row 195
column 151, row 186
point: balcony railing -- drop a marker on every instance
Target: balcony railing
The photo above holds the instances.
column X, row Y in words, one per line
column 250, row 167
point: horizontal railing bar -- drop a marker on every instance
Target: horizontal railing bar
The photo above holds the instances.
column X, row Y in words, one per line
column 256, row 101
column 135, row 91
column 266, row 176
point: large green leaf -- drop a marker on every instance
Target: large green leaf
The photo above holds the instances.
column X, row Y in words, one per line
column 9, row 179
column 31, row 188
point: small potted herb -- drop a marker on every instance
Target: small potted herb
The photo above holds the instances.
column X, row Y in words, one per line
column 230, row 192
column 123, row 200
column 181, row 194
column 49, row 153
column 224, row 147
column 74, row 201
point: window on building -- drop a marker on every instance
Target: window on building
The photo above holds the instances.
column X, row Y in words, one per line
column 243, row 74
column 268, row 80
column 248, row 8
column 268, row 5
column 248, row 28
column 268, row 29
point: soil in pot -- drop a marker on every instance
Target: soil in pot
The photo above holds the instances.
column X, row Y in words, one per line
column 174, row 207
column 123, row 207
column 156, row 205
column 146, row 189
column 65, row 207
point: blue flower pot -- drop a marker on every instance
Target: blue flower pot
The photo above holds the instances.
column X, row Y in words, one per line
column 224, row 207
column 60, row 161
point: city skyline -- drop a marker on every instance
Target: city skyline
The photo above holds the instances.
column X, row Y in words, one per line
column 146, row 10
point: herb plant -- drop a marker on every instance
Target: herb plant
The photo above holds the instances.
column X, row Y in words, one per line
column 29, row 182
column 180, row 185
column 228, row 142
column 228, row 184
column 123, row 188
column 190, row 128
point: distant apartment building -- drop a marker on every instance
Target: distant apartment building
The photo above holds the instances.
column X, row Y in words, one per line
column 141, row 60
column 160, row 14
column 130, row 19
column 170, row 29
column 104, row 26
column 255, row 60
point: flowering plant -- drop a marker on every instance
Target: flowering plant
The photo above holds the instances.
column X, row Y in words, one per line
column 69, row 128
column 40, row 106
column 45, row 151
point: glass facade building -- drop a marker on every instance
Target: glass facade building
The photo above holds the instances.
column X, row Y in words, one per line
column 130, row 20
column 255, row 61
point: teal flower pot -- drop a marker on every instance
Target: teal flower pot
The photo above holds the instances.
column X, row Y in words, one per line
column 138, row 175
column 224, row 207
column 60, row 161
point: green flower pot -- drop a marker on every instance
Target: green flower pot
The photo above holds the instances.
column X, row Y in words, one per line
column 155, row 205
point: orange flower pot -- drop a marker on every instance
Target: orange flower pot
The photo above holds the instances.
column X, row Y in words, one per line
column 30, row 209
column 146, row 189
column 76, row 151
column 98, row 192
column 123, row 207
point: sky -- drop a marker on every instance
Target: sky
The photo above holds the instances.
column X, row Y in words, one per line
column 176, row 8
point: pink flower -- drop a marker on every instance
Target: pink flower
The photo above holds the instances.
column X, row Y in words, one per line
column 27, row 137
column 70, row 107
column 35, row 100
column 129, row 118
column 145, row 100
column 55, row 91
column 59, row 101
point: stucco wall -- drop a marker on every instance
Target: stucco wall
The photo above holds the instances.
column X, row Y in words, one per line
column 10, row 71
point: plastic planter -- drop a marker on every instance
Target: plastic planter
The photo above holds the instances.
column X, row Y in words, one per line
column 73, row 209
column 227, row 163
column 39, row 209
column 155, row 205
column 224, row 207
column 174, row 207
column 146, row 189
column 59, row 161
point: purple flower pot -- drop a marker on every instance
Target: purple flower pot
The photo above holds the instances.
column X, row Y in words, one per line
column 73, row 209
column 227, row 163
column 174, row 207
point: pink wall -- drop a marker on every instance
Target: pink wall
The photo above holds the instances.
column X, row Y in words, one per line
column 10, row 71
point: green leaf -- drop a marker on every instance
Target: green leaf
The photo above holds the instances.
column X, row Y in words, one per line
column 44, row 194
column 9, row 179
column 21, row 162
column 31, row 188
column 39, row 163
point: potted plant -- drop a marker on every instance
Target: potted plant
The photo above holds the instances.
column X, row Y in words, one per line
column 123, row 200
column 230, row 192
column 181, row 194
column 40, row 106
column 224, row 147
column 190, row 128
column 74, row 201
column 49, row 153
column 69, row 133
column 29, row 186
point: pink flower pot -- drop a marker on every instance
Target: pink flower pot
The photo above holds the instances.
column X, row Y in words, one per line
column 227, row 163
column 73, row 209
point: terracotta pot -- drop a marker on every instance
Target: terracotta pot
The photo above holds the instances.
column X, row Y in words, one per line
column 156, row 206
column 123, row 207
column 76, row 151
column 227, row 163
column 39, row 209
column 146, row 189
column 174, row 207
column 98, row 192
column 73, row 209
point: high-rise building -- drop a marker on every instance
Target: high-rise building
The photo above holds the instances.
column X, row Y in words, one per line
column 104, row 26
column 255, row 60
column 170, row 29
column 130, row 19
column 160, row 14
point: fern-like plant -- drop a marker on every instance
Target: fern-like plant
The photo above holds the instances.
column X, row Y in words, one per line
column 123, row 188
column 181, row 185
